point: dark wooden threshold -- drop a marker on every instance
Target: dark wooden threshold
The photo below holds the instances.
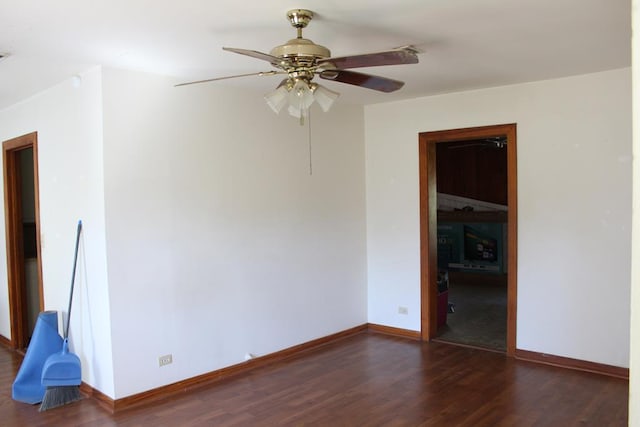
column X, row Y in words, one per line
column 569, row 363
column 171, row 390
column 475, row 347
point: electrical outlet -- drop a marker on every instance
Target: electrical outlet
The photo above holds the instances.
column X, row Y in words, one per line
column 165, row 360
column 403, row 310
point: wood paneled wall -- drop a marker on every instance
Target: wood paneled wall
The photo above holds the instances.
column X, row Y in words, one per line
column 474, row 169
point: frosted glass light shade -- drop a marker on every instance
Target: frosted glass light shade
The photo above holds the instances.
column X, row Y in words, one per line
column 277, row 99
column 296, row 111
column 324, row 97
column 300, row 97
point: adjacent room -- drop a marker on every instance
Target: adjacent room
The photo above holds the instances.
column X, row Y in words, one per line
column 265, row 238
column 472, row 241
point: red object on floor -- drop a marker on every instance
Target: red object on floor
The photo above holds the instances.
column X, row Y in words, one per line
column 443, row 308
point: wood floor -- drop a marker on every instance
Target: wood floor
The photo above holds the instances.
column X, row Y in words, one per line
column 364, row 380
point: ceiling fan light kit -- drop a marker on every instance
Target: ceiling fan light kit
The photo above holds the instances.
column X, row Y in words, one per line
column 301, row 60
column 300, row 95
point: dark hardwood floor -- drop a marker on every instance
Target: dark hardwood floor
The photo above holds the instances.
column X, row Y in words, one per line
column 364, row 380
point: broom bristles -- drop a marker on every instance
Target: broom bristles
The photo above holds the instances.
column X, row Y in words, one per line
column 59, row 396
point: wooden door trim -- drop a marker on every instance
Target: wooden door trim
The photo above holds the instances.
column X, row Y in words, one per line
column 428, row 223
column 13, row 220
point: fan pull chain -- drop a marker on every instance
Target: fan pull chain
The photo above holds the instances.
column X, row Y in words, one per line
column 309, row 139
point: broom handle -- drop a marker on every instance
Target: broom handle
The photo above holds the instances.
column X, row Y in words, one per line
column 73, row 279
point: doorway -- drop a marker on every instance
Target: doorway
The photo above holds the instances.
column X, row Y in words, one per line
column 22, row 224
column 471, row 183
column 428, row 148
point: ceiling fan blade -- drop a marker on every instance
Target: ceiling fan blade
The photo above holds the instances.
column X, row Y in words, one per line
column 390, row 57
column 259, row 74
column 378, row 83
column 259, row 55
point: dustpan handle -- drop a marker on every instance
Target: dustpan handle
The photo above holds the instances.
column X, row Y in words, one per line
column 73, row 279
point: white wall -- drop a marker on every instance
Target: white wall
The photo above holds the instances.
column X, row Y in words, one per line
column 574, row 207
column 634, row 363
column 219, row 241
column 68, row 120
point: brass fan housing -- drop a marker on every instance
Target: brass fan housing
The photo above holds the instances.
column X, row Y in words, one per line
column 300, row 48
column 302, row 52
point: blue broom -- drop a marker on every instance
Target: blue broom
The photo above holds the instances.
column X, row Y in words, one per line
column 61, row 372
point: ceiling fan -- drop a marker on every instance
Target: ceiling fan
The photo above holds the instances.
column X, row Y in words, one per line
column 301, row 60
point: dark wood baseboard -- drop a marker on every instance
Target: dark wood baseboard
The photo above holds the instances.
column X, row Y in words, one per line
column 103, row 400
column 189, row 384
column 569, row 363
column 390, row 330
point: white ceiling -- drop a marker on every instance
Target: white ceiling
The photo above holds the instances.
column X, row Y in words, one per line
column 467, row 44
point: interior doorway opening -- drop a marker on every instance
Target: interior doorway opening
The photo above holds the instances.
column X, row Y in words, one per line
column 477, row 243
column 472, row 208
column 24, row 267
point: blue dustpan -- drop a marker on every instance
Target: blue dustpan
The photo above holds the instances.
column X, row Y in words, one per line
column 45, row 341
column 62, row 368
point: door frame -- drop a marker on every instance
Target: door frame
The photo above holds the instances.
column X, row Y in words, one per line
column 429, row 223
column 14, row 234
